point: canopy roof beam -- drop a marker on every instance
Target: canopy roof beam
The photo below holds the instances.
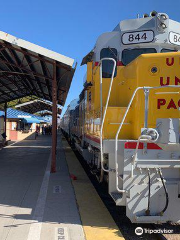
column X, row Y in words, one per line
column 14, row 82
column 58, row 64
column 13, row 67
column 44, row 71
column 12, row 98
column 27, row 71
column 33, row 70
column 17, row 62
column 10, row 90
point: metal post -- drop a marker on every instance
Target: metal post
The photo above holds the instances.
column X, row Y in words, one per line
column 5, row 119
column 146, row 92
column 54, row 120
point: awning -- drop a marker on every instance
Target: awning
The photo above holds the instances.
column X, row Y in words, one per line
column 30, row 70
column 27, row 69
column 2, row 114
column 30, row 120
column 36, row 106
column 14, row 113
column 42, row 119
column 46, row 113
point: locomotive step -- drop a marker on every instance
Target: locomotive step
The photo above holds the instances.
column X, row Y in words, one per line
column 116, row 195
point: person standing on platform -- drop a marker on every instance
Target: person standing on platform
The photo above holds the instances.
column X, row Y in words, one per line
column 43, row 130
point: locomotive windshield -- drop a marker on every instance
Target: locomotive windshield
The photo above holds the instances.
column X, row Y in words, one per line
column 128, row 55
column 164, row 50
column 107, row 66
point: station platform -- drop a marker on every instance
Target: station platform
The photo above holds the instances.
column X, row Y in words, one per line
column 38, row 205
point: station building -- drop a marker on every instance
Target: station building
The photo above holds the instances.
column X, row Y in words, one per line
column 20, row 125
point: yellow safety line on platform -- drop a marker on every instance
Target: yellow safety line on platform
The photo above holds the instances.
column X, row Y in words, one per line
column 96, row 220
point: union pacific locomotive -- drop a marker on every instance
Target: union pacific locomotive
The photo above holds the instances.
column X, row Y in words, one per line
column 126, row 120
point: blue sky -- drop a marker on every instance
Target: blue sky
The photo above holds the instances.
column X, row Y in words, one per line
column 72, row 27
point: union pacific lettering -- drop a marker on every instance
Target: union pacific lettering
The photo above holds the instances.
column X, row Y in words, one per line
column 165, row 81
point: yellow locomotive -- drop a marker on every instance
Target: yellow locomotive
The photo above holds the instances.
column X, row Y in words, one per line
column 126, row 120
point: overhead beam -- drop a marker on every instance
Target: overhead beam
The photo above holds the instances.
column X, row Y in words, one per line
column 35, row 56
column 12, row 68
column 14, row 82
column 18, row 62
column 33, row 70
column 44, row 71
column 8, row 88
column 13, row 98
column 25, row 69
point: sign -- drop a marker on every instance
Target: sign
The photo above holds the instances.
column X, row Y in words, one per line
column 57, row 189
column 61, row 233
column 174, row 38
column 13, row 126
column 137, row 37
column 23, row 116
column 167, row 81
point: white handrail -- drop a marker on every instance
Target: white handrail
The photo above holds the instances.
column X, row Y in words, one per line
column 107, row 102
column 142, row 138
column 145, row 139
column 119, row 129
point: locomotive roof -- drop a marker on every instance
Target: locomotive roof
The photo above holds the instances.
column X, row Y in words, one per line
column 73, row 104
column 160, row 28
column 160, row 24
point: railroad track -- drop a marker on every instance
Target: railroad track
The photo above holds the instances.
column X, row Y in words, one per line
column 171, row 227
column 119, row 213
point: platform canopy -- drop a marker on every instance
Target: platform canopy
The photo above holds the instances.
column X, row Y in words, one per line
column 46, row 113
column 37, row 106
column 27, row 69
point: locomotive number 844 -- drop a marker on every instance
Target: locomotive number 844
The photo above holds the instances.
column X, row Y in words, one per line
column 125, row 122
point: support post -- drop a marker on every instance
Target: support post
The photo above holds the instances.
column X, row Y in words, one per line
column 54, row 119
column 146, row 92
column 5, row 119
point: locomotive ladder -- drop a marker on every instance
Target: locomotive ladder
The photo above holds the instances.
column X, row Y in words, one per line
column 146, row 91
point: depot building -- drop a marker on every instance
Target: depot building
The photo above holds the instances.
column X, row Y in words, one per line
column 20, row 125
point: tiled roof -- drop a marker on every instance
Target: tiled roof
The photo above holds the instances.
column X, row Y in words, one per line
column 13, row 113
column 1, row 113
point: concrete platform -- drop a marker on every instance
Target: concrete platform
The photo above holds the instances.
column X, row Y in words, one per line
column 35, row 204
column 38, row 205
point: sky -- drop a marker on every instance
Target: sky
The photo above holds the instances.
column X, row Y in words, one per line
column 72, row 27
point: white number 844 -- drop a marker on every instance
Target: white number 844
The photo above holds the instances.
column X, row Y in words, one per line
column 174, row 38
column 137, row 37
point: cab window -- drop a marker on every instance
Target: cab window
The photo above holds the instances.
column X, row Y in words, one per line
column 128, row 55
column 107, row 65
column 164, row 50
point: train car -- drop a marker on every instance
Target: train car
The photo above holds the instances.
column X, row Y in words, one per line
column 128, row 122
column 67, row 122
